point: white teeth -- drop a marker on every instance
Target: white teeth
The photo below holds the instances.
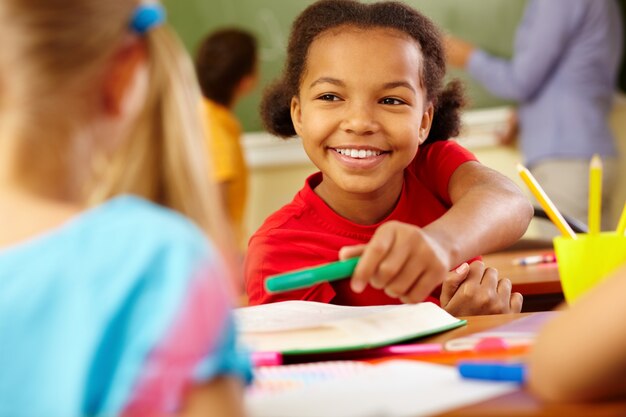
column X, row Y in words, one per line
column 358, row 153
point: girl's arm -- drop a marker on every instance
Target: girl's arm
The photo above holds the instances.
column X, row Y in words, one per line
column 488, row 213
column 581, row 354
column 221, row 397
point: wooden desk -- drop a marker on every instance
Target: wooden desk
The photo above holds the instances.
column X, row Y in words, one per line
column 539, row 284
column 521, row 402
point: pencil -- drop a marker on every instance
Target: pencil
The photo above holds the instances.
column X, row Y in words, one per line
column 595, row 194
column 545, row 202
column 621, row 225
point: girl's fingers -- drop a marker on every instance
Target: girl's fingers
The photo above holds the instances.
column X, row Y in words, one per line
column 452, row 282
column 471, row 286
column 400, row 285
column 394, row 266
column 490, row 278
column 425, row 284
column 375, row 251
column 494, row 297
column 511, row 303
column 348, row 252
column 475, row 275
column 504, row 294
column 504, row 287
column 517, row 300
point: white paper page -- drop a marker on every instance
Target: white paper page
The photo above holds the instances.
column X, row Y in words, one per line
column 340, row 327
column 392, row 389
column 295, row 314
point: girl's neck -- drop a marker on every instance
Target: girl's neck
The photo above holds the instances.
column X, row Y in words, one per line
column 360, row 208
column 41, row 167
column 40, row 185
column 24, row 215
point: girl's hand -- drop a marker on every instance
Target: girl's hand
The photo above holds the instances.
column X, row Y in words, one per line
column 401, row 259
column 472, row 290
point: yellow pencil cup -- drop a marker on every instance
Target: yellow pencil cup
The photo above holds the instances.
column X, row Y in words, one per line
column 585, row 261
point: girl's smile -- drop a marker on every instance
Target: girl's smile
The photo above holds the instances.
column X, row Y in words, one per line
column 359, row 157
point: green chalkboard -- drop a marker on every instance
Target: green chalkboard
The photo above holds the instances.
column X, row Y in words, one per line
column 489, row 23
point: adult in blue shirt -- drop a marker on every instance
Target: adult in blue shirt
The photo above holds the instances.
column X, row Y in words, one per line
column 563, row 73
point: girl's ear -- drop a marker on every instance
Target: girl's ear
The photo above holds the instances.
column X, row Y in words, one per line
column 120, row 76
column 426, row 122
column 296, row 114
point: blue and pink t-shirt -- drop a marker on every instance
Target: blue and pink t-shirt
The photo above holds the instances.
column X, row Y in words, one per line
column 116, row 312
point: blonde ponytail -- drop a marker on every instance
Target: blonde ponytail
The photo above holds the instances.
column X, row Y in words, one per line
column 165, row 158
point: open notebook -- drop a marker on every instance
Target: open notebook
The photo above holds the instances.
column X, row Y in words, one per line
column 305, row 327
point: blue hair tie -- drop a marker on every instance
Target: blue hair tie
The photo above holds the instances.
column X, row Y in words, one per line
column 146, row 17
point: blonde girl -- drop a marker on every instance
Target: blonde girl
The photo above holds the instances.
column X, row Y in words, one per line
column 109, row 304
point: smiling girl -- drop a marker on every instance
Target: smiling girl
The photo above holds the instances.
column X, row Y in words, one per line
column 362, row 87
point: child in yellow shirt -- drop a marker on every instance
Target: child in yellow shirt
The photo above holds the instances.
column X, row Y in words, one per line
column 226, row 64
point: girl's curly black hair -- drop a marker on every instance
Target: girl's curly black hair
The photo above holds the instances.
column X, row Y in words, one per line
column 327, row 14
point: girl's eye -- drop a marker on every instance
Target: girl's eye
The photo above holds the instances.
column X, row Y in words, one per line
column 328, row 97
column 391, row 101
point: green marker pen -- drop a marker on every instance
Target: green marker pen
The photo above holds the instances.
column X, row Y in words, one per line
column 307, row 277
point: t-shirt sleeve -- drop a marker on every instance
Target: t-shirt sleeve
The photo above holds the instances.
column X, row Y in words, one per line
column 435, row 163
column 195, row 338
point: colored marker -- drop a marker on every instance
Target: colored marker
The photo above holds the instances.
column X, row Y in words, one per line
column 413, row 349
column 546, row 258
column 490, row 344
column 493, row 371
column 307, row 277
column 266, row 359
column 417, row 349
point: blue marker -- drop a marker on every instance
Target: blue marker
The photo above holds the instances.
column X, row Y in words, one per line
column 493, row 371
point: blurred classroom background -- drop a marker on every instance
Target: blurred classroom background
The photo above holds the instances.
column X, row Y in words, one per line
column 278, row 168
